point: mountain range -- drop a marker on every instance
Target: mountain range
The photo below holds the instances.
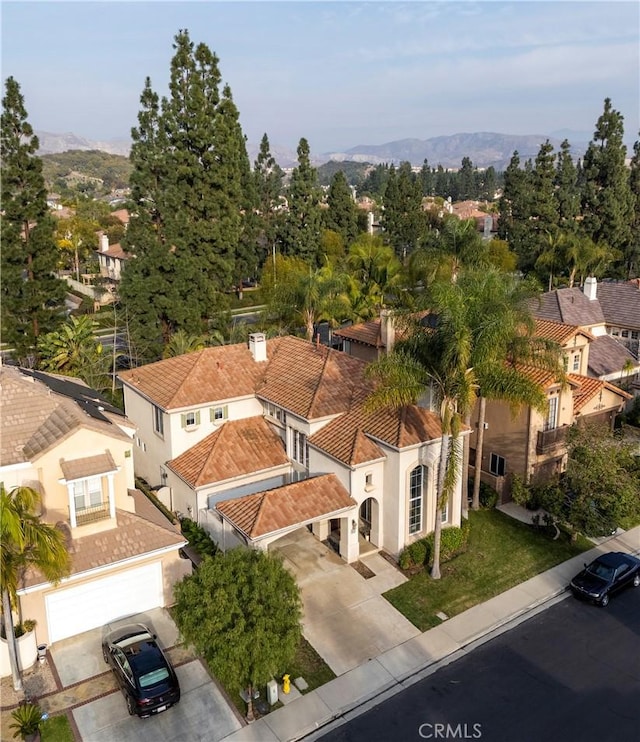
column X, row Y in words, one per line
column 484, row 149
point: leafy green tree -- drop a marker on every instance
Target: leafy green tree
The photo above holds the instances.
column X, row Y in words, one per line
column 25, row 542
column 374, row 272
column 32, row 297
column 302, row 227
column 403, row 220
column 76, row 239
column 242, row 612
column 607, row 200
column 341, row 215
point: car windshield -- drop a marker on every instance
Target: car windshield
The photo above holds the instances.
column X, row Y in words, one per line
column 601, row 570
column 154, row 677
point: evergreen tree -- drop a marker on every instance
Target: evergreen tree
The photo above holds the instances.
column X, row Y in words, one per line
column 303, row 226
column 543, row 215
column 566, row 190
column 403, row 220
column 268, row 178
column 426, row 179
column 466, row 181
column 488, row 184
column 32, row 296
column 192, row 190
column 607, row 201
column 633, row 254
column 515, row 209
column 341, row 216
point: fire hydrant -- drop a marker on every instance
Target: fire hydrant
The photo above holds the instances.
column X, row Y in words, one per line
column 286, row 684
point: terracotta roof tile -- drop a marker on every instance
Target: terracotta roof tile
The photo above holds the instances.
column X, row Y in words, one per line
column 239, row 447
column 272, row 511
column 88, row 466
column 367, row 333
column 588, row 388
column 558, row 331
column 115, row 251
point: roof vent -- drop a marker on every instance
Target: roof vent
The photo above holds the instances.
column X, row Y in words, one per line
column 258, row 346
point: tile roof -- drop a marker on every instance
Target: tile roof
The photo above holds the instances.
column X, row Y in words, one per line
column 620, row 302
column 34, row 417
column 115, row 251
column 558, row 331
column 239, row 447
column 608, row 356
column 569, row 306
column 206, row 376
column 588, row 387
column 352, row 438
column 367, row 333
column 137, row 534
column 274, row 510
column 312, row 381
column 88, row 466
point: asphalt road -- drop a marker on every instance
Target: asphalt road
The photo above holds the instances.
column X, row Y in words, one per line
column 569, row 674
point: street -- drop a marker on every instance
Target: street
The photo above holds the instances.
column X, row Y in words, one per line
column 572, row 673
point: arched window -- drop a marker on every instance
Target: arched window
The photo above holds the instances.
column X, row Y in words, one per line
column 416, row 489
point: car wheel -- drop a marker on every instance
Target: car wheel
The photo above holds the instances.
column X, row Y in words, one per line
column 130, row 706
column 605, row 601
column 636, row 580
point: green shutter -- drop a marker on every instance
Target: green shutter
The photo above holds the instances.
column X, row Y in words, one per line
column 197, row 417
column 183, row 420
column 225, row 412
column 212, row 414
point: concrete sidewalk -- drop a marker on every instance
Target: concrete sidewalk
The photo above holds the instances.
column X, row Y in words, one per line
column 351, row 694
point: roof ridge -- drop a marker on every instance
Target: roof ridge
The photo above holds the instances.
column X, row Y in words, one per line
column 318, row 382
column 259, row 510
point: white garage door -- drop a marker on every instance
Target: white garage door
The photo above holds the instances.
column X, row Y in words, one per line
column 94, row 604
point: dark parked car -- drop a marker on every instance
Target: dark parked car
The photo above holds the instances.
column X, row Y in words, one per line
column 145, row 675
column 605, row 576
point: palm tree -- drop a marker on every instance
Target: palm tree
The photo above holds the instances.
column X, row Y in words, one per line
column 438, row 357
column 182, row 342
column 25, row 542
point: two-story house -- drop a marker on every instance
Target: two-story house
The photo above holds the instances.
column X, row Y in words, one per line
column 63, row 439
column 254, row 441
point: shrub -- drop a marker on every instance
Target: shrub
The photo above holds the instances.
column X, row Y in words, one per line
column 198, row 538
column 453, row 541
column 488, row 496
column 519, row 491
column 26, row 720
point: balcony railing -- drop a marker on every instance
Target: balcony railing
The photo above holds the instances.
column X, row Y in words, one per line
column 551, row 440
column 92, row 514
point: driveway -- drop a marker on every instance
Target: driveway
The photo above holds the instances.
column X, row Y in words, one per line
column 98, row 706
column 346, row 619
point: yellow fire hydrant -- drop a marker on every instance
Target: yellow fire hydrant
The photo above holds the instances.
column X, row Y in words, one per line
column 286, row 684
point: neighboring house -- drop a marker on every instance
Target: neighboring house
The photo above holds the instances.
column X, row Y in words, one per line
column 533, row 445
column 256, row 441
column 112, row 259
column 64, row 440
column 610, row 312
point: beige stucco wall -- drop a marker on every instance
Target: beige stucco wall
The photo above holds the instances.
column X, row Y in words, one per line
column 33, row 603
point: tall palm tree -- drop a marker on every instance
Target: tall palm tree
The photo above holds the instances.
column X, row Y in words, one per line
column 437, row 357
column 182, row 342
column 25, row 541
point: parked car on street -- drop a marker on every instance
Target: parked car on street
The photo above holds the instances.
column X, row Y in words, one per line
column 605, row 576
column 146, row 677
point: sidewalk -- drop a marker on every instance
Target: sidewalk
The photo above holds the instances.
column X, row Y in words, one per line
column 317, row 712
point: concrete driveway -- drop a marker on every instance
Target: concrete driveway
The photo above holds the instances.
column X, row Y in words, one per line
column 346, row 619
column 99, row 708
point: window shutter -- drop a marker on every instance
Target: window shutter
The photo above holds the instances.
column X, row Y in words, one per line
column 183, row 420
column 225, row 412
column 212, row 414
column 197, row 417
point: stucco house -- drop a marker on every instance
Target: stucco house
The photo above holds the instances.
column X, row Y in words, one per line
column 63, row 439
column 256, row 440
column 533, row 444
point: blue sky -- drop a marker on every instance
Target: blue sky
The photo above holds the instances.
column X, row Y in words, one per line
column 337, row 73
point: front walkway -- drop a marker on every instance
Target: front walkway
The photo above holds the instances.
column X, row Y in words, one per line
column 346, row 619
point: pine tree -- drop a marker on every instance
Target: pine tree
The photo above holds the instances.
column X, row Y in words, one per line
column 268, row 178
column 466, row 180
column 404, row 220
column 32, row 297
column 302, row 229
column 515, row 209
column 566, row 190
column 607, row 200
column 426, row 179
column 634, row 183
column 341, row 215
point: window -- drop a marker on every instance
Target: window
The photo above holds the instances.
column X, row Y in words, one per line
column 576, row 362
column 277, row 413
column 368, row 481
column 635, row 334
column 87, row 493
column 615, row 332
column 218, row 414
column 158, row 420
column 497, row 466
column 300, row 448
column 190, row 419
column 625, row 333
column 552, row 416
column 445, row 513
column 565, row 363
column 416, row 486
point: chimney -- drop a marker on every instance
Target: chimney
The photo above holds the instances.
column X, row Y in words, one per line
column 590, row 288
column 104, row 243
column 258, row 346
column 387, row 329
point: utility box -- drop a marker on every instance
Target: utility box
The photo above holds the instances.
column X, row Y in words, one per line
column 272, row 692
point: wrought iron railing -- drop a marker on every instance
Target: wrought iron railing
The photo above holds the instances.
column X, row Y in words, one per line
column 92, row 514
column 550, row 440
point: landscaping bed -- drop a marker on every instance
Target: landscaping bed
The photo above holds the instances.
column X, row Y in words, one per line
column 501, row 554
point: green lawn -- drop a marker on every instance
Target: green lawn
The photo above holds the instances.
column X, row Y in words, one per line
column 502, row 553
column 309, row 665
column 56, row 729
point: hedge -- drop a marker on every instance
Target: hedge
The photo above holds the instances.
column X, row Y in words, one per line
column 453, row 541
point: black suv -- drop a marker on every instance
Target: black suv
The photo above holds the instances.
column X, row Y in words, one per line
column 145, row 675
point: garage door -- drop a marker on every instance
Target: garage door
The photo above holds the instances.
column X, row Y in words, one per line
column 77, row 609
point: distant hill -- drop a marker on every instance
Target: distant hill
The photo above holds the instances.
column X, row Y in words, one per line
column 355, row 172
column 482, row 148
column 67, row 169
